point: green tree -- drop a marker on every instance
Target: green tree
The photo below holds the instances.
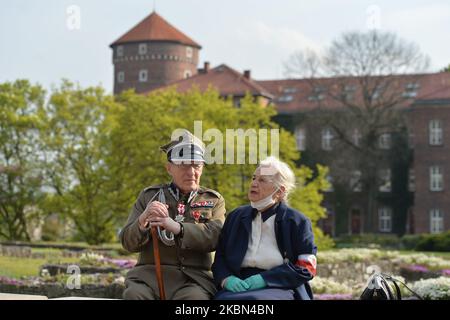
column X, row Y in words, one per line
column 20, row 176
column 76, row 141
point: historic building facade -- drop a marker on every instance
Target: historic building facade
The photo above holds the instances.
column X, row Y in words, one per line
column 413, row 188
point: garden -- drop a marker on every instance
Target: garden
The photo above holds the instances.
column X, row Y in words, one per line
column 80, row 270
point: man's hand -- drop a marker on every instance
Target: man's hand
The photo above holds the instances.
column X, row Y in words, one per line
column 166, row 223
column 154, row 209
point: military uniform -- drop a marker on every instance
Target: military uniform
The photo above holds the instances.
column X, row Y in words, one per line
column 186, row 264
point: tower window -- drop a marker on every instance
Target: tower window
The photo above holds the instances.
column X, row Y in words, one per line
column 119, row 51
column 187, row 74
column 189, row 52
column 120, row 76
column 142, row 48
column 143, row 76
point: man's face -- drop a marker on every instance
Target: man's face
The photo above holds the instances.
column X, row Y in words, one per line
column 186, row 175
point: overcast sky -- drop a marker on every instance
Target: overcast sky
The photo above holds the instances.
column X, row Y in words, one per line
column 43, row 41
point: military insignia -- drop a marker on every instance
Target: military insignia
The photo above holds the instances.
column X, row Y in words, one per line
column 181, row 208
column 205, row 204
column 196, row 215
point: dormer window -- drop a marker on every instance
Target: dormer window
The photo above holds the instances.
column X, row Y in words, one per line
column 411, row 90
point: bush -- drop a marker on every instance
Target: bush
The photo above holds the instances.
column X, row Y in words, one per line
column 368, row 240
column 434, row 242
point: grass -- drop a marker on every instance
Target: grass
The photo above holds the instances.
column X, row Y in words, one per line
column 14, row 267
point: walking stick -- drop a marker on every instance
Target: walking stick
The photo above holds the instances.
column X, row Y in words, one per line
column 159, row 277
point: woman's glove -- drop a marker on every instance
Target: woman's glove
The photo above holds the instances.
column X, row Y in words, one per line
column 234, row 284
column 255, row 282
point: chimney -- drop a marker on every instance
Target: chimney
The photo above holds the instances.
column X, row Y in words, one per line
column 206, row 67
column 247, row 74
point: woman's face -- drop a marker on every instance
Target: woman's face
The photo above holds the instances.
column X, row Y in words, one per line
column 262, row 185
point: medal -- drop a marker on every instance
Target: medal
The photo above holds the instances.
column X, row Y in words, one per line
column 181, row 209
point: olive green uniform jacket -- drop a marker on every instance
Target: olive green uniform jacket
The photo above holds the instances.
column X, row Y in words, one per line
column 191, row 253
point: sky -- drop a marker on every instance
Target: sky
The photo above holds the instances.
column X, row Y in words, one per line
column 48, row 40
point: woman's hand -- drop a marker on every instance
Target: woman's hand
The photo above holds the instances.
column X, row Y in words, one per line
column 234, row 284
column 255, row 282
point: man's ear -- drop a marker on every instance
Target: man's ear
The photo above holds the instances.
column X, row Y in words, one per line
column 168, row 168
column 282, row 190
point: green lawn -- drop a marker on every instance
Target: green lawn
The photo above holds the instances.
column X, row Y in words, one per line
column 14, row 267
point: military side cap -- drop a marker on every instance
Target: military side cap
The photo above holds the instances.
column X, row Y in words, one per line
column 185, row 148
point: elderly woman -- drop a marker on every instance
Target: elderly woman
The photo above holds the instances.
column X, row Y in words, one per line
column 266, row 249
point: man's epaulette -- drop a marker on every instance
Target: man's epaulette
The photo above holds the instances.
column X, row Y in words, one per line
column 214, row 192
column 158, row 186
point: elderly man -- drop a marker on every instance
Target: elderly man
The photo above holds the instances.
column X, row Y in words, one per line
column 189, row 220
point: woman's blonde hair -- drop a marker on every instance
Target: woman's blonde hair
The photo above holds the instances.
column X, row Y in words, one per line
column 280, row 172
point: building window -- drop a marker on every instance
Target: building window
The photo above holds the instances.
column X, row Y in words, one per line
column 411, row 180
column 355, row 181
column 436, row 221
column 356, row 137
column 143, row 76
column 436, row 179
column 385, row 219
column 120, row 77
column 187, row 74
column 435, row 127
column 384, row 141
column 142, row 48
column 189, row 52
column 327, row 139
column 289, row 90
column 285, row 98
column 385, row 180
column 300, row 138
column 411, row 138
column 330, row 182
column 119, row 51
column 349, row 92
column 411, row 90
column 317, row 94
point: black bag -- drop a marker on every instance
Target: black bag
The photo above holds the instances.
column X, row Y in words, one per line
column 379, row 288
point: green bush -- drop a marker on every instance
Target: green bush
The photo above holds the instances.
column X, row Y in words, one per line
column 434, row 242
column 368, row 240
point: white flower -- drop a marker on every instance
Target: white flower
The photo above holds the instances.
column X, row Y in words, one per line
column 433, row 289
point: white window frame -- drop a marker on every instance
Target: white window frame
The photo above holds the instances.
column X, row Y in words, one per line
column 385, row 219
column 435, row 132
column 119, row 51
column 436, row 178
column 300, row 138
column 121, row 76
column 327, row 139
column 356, row 137
column 436, row 221
column 411, row 180
column 142, row 49
column 385, row 180
column 330, row 181
column 411, row 90
column 355, row 181
column 189, row 52
column 143, row 75
column 384, row 141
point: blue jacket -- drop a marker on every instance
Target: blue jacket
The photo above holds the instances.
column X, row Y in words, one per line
column 295, row 241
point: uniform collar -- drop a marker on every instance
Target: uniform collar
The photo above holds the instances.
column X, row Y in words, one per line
column 176, row 193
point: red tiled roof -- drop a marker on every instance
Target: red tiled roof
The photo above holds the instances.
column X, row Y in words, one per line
column 155, row 28
column 296, row 92
column 225, row 79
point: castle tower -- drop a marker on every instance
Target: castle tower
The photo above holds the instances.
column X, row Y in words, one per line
column 153, row 54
